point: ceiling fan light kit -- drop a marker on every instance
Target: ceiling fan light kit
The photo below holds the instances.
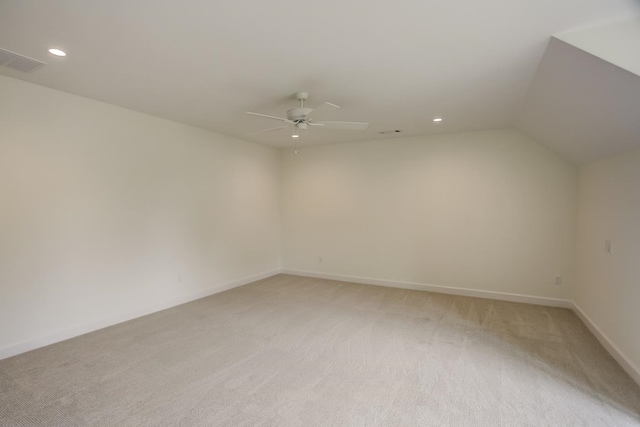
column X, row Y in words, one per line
column 300, row 118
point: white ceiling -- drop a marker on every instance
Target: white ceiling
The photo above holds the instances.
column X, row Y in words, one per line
column 395, row 64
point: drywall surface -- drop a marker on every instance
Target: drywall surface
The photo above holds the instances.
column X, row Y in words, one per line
column 616, row 43
column 608, row 285
column 492, row 211
column 106, row 211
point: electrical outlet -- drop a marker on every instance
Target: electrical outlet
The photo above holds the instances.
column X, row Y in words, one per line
column 320, row 259
column 558, row 280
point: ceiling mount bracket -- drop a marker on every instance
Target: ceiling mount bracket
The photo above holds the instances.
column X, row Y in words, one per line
column 302, row 96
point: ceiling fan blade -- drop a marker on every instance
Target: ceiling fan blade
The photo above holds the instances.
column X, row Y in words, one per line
column 268, row 130
column 324, row 104
column 270, row 117
column 342, row 125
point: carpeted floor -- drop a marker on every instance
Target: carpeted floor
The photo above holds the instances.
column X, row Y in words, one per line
column 292, row 351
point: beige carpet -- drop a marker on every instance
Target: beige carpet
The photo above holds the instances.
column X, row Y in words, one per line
column 291, row 351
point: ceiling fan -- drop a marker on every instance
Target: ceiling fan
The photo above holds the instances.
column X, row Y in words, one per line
column 300, row 118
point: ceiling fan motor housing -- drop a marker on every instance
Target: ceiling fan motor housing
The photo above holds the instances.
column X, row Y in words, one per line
column 298, row 114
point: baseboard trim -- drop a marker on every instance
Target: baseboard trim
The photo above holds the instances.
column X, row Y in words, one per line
column 625, row 363
column 503, row 296
column 23, row 347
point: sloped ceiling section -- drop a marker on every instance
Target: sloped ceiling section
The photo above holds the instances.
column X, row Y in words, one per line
column 582, row 106
column 617, row 43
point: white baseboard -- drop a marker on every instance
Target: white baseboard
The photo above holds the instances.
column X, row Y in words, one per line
column 627, row 365
column 29, row 345
column 33, row 344
column 504, row 296
column 624, row 361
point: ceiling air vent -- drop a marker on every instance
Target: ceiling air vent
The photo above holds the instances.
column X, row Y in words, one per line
column 19, row 62
column 384, row 132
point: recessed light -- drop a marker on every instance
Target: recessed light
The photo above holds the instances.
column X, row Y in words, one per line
column 57, row 52
column 295, row 136
column 437, row 119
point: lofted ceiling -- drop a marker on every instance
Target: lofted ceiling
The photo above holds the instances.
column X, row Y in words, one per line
column 581, row 106
column 393, row 64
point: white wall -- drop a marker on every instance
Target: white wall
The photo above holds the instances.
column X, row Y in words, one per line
column 608, row 286
column 106, row 212
column 491, row 211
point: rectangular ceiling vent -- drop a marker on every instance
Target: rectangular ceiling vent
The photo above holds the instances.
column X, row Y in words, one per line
column 19, row 62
